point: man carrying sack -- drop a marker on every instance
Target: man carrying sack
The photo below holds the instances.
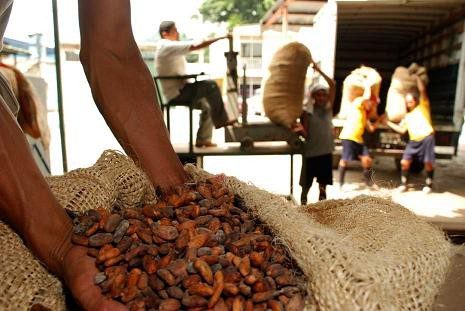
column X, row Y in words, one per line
column 417, row 122
column 353, row 147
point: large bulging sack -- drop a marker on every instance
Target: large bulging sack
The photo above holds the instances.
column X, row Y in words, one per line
column 284, row 88
column 354, row 86
column 403, row 81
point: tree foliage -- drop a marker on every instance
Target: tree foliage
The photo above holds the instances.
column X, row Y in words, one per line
column 235, row 12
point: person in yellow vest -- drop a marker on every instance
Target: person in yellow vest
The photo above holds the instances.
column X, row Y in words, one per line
column 417, row 122
column 353, row 146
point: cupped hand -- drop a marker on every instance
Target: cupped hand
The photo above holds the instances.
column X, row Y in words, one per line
column 79, row 273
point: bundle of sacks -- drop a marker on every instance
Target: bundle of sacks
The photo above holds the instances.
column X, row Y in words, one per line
column 360, row 254
column 354, row 86
column 284, row 85
column 403, row 81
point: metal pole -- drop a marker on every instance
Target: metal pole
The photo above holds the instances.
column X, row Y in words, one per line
column 59, row 86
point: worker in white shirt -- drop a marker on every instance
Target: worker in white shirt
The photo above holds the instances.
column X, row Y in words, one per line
column 170, row 61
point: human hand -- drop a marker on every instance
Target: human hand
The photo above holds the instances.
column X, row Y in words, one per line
column 79, row 273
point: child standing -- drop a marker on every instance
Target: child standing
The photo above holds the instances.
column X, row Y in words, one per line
column 318, row 153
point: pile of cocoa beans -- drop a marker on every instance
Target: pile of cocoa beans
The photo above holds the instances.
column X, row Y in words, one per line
column 197, row 248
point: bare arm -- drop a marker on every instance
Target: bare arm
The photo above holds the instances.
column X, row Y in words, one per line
column 331, row 84
column 26, row 202
column 123, row 89
column 399, row 128
column 421, row 87
column 207, row 42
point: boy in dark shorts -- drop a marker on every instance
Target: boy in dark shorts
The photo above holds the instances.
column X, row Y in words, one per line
column 353, row 147
column 318, row 152
column 421, row 143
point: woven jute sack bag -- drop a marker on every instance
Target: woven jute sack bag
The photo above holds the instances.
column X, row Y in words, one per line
column 284, row 86
column 402, row 81
column 361, row 254
column 114, row 180
column 354, row 86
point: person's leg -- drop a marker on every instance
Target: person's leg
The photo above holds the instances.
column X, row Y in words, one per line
column 368, row 173
column 204, row 133
column 342, row 171
column 322, row 195
column 324, row 174
column 429, row 167
column 347, row 155
column 209, row 90
column 429, row 160
column 306, row 180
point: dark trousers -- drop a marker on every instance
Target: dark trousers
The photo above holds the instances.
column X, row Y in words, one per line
column 205, row 96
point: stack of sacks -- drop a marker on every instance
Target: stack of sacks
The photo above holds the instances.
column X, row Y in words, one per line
column 354, row 86
column 403, row 81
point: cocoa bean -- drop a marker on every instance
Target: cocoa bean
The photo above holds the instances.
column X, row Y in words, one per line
column 100, row 278
column 92, row 229
column 190, row 280
column 194, row 301
column 143, row 282
column 244, row 289
column 112, row 223
column 204, row 270
column 274, row 270
column 166, row 276
column 201, row 289
column 149, row 264
column 244, row 266
column 120, row 231
column 263, row 296
column 167, row 233
column 113, row 261
column 175, row 292
column 178, row 268
column 129, row 293
column 182, row 240
column 230, row 289
column 145, row 235
column 155, row 283
column 169, row 304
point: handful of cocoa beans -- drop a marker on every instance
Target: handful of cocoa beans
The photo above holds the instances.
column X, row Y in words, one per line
column 197, row 248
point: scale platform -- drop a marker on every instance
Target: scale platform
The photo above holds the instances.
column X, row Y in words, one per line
column 248, row 134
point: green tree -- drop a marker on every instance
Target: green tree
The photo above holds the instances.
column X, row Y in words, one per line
column 235, row 12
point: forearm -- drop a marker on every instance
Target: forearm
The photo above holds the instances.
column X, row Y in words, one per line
column 123, row 89
column 206, row 43
column 396, row 127
column 26, row 202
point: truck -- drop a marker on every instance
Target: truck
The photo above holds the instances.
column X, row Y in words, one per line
column 385, row 34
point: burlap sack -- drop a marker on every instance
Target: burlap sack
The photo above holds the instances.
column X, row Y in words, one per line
column 354, row 86
column 403, row 81
column 124, row 184
column 365, row 253
column 24, row 281
column 114, row 180
column 284, row 86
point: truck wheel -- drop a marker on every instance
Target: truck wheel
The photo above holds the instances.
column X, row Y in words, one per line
column 246, row 144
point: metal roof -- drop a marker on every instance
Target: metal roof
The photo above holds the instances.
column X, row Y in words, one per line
column 394, row 22
column 298, row 12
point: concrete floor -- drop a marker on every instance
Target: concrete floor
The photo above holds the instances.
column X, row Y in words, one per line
column 445, row 207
